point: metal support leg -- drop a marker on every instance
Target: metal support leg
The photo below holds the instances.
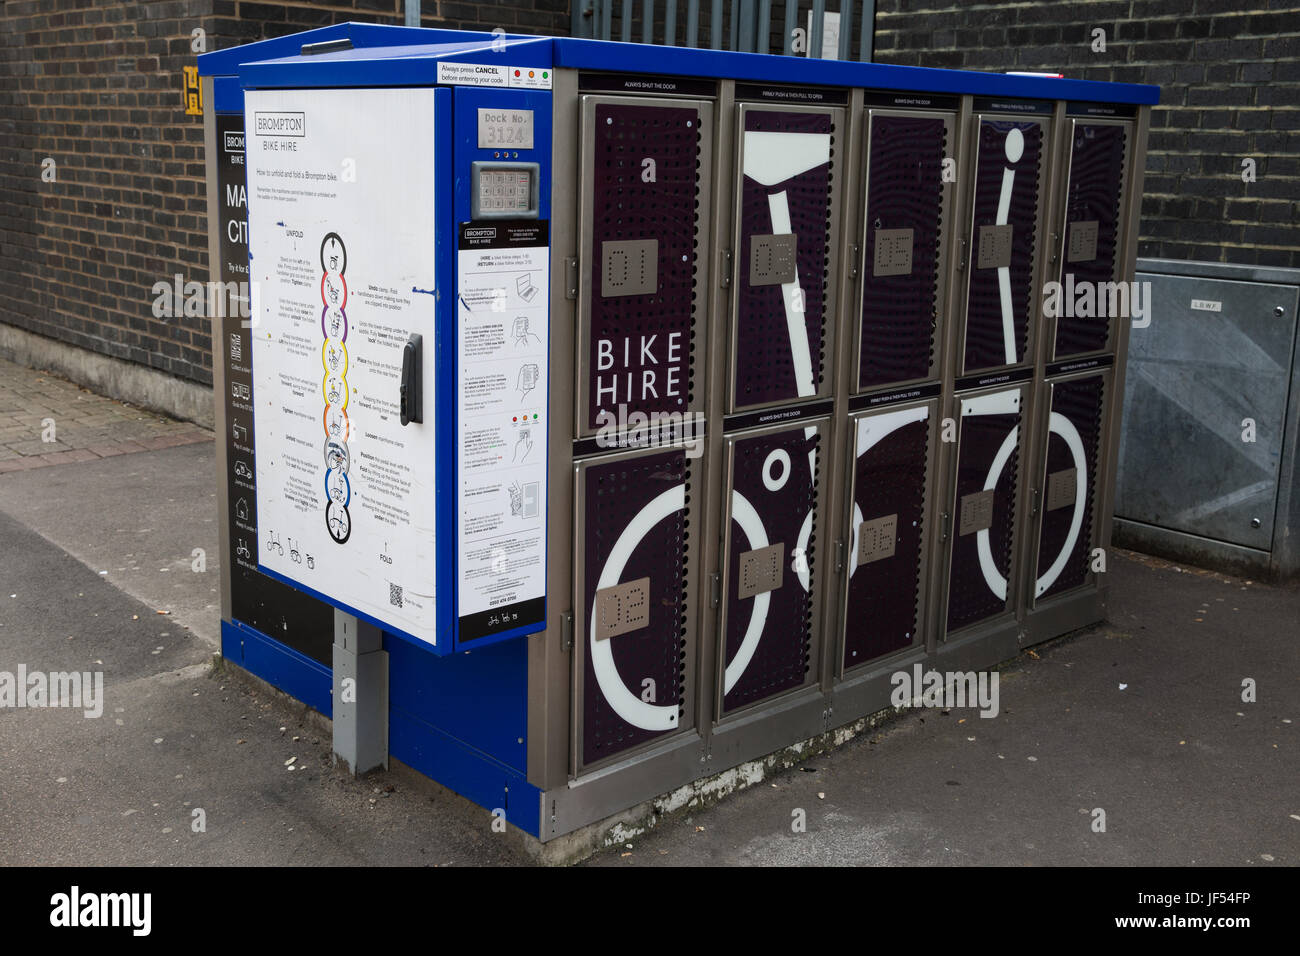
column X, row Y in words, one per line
column 360, row 695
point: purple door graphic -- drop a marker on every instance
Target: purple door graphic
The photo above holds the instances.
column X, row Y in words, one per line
column 1065, row 536
column 634, row 534
column 1092, row 232
column 902, row 278
column 784, row 254
column 770, row 564
column 1000, row 298
column 983, row 524
column 888, row 514
column 643, row 236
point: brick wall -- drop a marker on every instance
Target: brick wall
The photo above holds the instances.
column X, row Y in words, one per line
column 1229, row 72
column 96, row 86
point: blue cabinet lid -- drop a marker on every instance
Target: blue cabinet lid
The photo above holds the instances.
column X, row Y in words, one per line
column 408, row 56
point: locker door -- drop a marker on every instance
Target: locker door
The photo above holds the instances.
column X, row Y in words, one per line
column 889, row 497
column 1094, row 210
column 904, row 260
column 1001, row 299
column 771, row 562
column 1068, row 480
column 984, row 514
column 785, row 240
column 643, row 222
column 633, row 606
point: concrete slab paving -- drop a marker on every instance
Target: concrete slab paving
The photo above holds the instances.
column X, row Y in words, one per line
column 48, row 420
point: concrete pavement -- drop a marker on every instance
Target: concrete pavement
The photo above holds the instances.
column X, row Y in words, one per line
column 1142, row 717
column 176, row 737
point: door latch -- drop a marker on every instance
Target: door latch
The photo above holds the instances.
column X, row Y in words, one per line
column 411, row 396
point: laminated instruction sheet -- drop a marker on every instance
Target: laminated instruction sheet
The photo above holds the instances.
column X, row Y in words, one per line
column 342, row 243
column 503, row 332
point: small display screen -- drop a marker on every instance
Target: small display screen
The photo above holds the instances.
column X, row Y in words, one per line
column 505, row 191
column 505, row 129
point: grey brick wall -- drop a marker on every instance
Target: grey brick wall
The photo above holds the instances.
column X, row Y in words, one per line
column 1229, row 72
column 96, row 86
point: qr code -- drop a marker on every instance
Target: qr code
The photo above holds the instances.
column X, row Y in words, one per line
column 395, row 595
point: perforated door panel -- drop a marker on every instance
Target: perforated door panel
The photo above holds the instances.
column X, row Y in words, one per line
column 903, row 260
column 642, row 222
column 768, row 622
column 1068, row 499
column 1000, row 295
column 1094, row 201
column 632, row 631
column 886, row 531
column 785, row 246
column 983, row 512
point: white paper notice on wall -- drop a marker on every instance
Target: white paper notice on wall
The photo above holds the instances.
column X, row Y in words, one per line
column 503, row 301
column 342, row 243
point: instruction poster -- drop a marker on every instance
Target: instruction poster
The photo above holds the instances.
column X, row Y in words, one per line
column 503, row 333
column 342, row 244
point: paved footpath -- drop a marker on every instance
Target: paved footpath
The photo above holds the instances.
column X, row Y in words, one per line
column 46, row 420
column 1141, row 717
column 98, row 573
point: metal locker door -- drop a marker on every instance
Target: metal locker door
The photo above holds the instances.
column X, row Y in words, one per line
column 633, row 603
column 1068, row 480
column 1006, row 212
column 888, row 496
column 983, row 532
column 643, row 220
column 1094, row 226
column 770, row 611
column 787, row 214
column 904, row 253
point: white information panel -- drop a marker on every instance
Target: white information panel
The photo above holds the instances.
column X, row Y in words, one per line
column 341, row 234
column 502, row 303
